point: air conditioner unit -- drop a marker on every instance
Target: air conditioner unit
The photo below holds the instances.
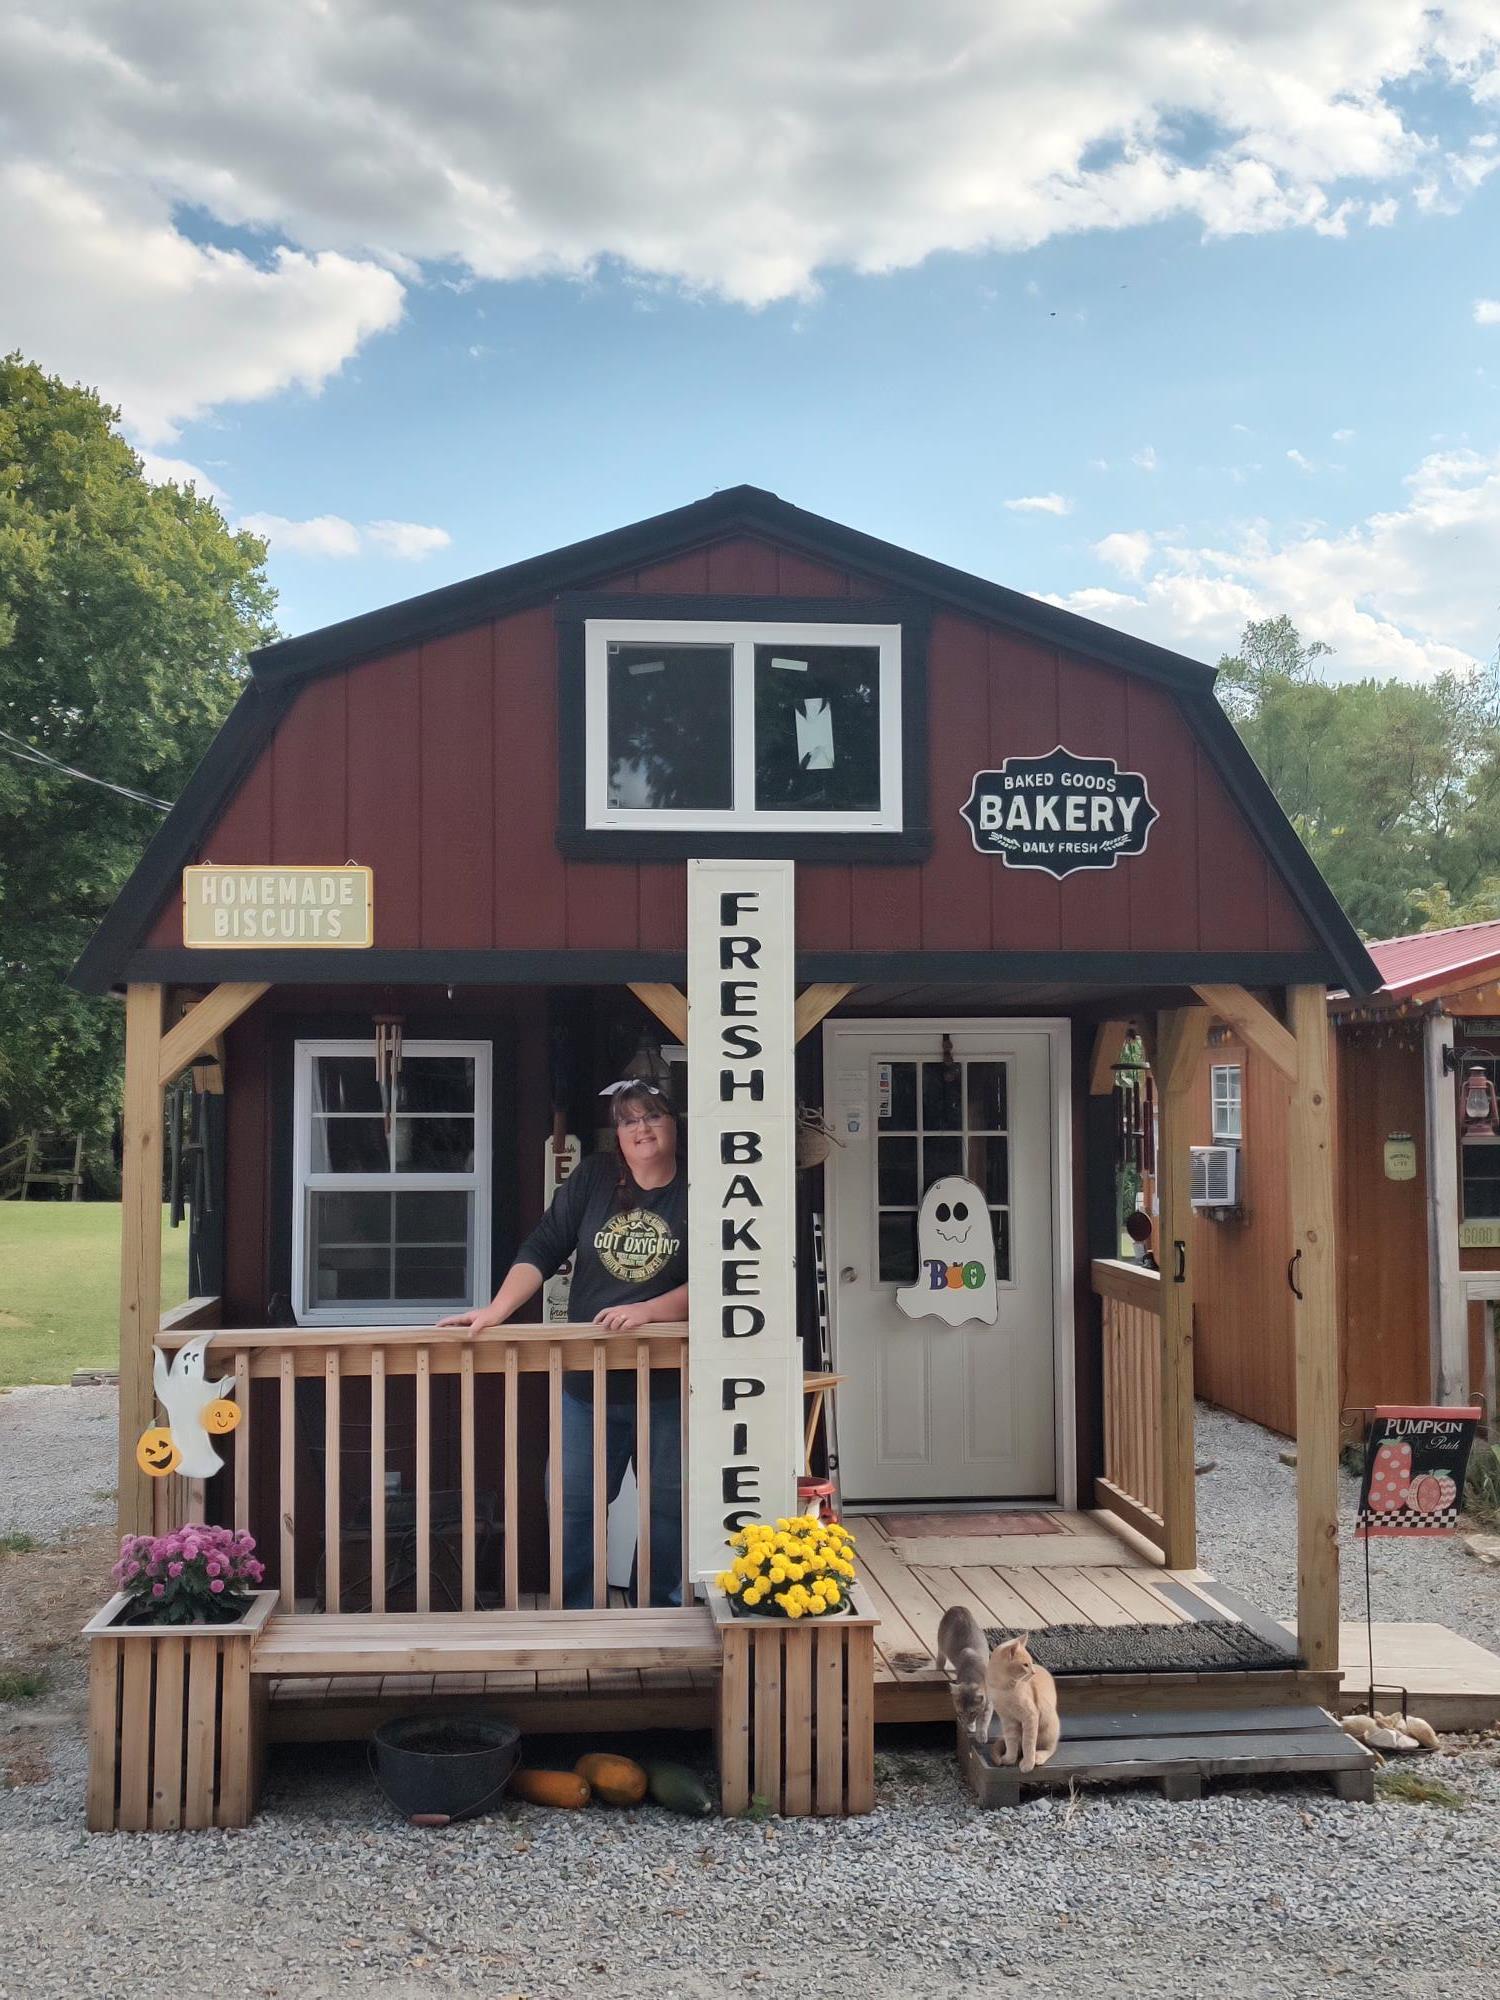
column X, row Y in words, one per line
column 1216, row 1176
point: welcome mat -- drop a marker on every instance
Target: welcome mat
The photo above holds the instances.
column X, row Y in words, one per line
column 1202, row 1647
column 904, row 1527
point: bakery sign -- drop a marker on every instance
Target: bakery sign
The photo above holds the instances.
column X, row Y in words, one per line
column 278, row 909
column 1059, row 812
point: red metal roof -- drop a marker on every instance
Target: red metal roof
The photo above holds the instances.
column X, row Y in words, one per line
column 1427, row 959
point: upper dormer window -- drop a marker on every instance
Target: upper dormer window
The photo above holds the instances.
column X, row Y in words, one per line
column 727, row 725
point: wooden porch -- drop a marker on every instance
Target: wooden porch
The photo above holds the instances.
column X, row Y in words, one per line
column 1081, row 1571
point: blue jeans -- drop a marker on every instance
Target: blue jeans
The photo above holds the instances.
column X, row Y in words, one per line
column 619, row 1451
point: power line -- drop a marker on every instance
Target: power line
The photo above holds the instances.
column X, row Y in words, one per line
column 26, row 753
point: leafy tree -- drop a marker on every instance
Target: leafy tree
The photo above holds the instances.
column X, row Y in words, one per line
column 126, row 610
column 1394, row 786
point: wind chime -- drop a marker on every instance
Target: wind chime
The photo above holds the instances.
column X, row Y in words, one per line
column 388, row 1032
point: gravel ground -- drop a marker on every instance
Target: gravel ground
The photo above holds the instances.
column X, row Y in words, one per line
column 1252, row 1892
column 1247, row 1536
column 57, row 1460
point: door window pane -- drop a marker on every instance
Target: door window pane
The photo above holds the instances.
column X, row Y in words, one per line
column 940, row 1157
column 942, row 1097
column 817, row 728
column 898, row 1173
column 1001, row 1219
column 989, row 1167
column 898, row 1249
column 988, row 1109
column 903, row 1116
column 670, row 729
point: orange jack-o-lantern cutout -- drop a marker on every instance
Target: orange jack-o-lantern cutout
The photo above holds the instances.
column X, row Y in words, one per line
column 220, row 1418
column 156, row 1453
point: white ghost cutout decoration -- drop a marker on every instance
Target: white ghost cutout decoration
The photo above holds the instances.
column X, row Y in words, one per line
column 185, row 1395
column 955, row 1257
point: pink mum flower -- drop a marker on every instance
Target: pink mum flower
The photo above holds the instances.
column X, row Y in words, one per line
column 217, row 1585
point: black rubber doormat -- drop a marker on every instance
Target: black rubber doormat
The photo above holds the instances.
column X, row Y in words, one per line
column 1210, row 1646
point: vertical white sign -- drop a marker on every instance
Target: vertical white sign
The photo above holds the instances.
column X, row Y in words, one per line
column 744, row 1355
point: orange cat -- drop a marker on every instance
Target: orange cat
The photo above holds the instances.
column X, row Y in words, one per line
column 1024, row 1697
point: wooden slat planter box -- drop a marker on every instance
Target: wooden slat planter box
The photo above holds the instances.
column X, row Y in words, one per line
column 174, row 1729
column 796, row 1718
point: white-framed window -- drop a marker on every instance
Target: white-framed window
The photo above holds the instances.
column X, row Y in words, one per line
column 700, row 724
column 390, row 1228
column 1225, row 1086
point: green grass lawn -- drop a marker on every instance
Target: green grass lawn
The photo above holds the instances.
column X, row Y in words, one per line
column 60, row 1286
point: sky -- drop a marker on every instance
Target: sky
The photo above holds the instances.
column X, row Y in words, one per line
column 1173, row 312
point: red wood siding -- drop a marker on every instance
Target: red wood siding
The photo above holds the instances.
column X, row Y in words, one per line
column 438, row 767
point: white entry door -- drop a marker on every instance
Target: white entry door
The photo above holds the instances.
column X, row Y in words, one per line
column 929, row 1411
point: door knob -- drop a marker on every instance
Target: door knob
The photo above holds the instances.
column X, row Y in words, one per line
column 848, row 1275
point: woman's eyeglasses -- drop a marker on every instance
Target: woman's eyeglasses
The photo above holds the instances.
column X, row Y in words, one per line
column 639, row 1124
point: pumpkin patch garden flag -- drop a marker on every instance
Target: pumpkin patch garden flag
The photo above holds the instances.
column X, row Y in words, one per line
column 1416, row 1461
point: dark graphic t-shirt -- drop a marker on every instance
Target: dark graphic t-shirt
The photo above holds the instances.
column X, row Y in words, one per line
column 629, row 1246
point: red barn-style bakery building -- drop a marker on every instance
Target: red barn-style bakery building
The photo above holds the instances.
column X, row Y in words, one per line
column 871, row 858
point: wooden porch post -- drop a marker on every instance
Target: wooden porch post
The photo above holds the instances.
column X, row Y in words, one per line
column 1447, row 1308
column 1180, row 1037
column 140, row 1244
column 1315, row 1324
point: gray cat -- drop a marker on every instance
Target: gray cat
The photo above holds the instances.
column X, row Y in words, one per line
column 961, row 1646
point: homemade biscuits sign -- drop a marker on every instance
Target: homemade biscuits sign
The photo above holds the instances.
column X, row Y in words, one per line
column 278, row 909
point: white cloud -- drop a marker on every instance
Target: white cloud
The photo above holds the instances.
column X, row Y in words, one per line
column 409, row 540
column 101, row 288
column 1381, row 214
column 1408, row 591
column 1126, row 552
column 1146, row 458
column 742, row 152
column 1342, row 437
column 1487, row 312
column 1041, row 503
column 1302, row 463
column 178, row 472
column 330, row 536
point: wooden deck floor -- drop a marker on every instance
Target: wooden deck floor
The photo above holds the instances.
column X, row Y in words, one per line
column 1082, row 1573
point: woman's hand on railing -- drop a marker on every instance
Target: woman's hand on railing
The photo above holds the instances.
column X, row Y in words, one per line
column 470, row 1322
column 626, row 1319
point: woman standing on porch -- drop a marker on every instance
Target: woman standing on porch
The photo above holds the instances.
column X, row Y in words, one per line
column 624, row 1222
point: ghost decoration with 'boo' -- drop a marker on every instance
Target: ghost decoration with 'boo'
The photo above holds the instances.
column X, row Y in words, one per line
column 955, row 1257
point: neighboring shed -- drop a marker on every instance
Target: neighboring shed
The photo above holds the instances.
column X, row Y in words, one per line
column 1419, row 1198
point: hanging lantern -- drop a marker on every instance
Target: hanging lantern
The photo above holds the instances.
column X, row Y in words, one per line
column 1478, row 1106
column 388, row 1029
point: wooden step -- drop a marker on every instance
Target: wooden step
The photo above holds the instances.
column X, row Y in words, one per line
column 1178, row 1749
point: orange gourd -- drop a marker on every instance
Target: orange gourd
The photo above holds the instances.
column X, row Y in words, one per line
column 616, row 1780
column 551, row 1788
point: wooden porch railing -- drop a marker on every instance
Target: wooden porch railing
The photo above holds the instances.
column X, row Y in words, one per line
column 1144, row 1483
column 323, row 1462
